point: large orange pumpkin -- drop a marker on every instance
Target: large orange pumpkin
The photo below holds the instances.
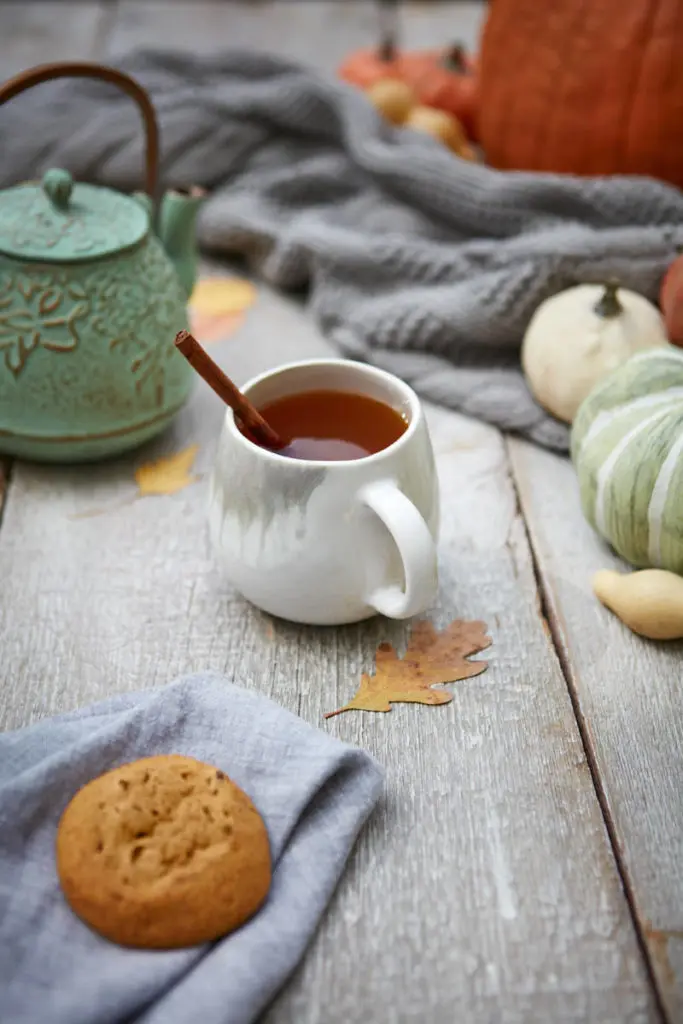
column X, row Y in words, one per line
column 583, row 86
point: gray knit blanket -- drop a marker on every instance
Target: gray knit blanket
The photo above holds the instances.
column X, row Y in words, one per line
column 424, row 264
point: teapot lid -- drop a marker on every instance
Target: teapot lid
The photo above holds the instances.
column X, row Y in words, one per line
column 57, row 220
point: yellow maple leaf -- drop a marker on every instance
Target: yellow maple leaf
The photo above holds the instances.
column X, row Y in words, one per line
column 431, row 658
column 221, row 296
column 217, row 306
column 167, row 475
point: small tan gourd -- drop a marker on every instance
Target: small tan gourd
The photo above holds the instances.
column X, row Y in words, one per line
column 649, row 602
column 392, row 98
column 440, row 125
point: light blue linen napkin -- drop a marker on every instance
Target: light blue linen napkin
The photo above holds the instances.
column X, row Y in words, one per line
column 313, row 792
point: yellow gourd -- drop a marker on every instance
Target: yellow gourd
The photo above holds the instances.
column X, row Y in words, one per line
column 392, row 98
column 439, row 125
column 649, row 602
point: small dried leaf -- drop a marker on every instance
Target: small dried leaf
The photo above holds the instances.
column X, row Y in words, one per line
column 167, row 475
column 431, row 658
column 220, row 296
column 215, row 328
column 218, row 305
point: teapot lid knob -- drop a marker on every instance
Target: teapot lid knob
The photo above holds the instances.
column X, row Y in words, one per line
column 57, row 185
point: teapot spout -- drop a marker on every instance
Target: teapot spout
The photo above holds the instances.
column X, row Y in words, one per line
column 177, row 231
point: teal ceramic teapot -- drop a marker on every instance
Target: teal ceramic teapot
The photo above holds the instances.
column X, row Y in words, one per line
column 93, row 289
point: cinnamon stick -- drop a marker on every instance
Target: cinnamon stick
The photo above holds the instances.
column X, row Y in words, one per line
column 251, row 418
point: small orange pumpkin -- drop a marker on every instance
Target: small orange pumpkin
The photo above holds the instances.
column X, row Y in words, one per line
column 671, row 300
column 445, row 79
column 366, row 67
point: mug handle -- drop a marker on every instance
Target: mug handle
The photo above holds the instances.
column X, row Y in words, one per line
column 415, row 546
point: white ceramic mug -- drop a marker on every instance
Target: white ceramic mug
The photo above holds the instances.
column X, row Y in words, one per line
column 327, row 543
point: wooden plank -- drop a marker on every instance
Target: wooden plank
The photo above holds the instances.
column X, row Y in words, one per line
column 317, row 32
column 40, row 30
column 439, row 23
column 629, row 698
column 484, row 889
column 4, row 482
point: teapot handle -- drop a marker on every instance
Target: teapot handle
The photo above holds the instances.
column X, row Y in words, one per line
column 83, row 69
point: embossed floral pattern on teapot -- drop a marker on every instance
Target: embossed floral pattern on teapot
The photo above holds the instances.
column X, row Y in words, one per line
column 91, row 297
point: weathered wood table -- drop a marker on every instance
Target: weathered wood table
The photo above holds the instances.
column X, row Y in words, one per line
column 526, row 864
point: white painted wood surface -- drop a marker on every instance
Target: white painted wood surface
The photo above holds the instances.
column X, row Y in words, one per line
column 485, row 888
column 4, row 478
column 629, row 695
column 316, row 32
column 41, row 30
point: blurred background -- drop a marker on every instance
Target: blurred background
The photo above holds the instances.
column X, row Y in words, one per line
column 319, row 32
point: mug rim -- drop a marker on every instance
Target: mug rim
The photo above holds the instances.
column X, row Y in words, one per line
column 363, row 369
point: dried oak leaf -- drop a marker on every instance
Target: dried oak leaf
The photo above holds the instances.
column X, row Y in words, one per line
column 431, row 658
column 167, row 475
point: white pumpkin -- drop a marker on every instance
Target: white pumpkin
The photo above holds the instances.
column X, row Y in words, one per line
column 575, row 339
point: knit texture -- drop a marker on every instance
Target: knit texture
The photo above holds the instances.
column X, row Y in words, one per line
column 422, row 263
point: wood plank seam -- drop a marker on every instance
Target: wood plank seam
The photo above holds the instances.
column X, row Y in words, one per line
column 5, row 479
column 105, row 27
column 552, row 627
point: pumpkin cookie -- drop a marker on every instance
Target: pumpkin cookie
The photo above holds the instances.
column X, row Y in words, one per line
column 162, row 853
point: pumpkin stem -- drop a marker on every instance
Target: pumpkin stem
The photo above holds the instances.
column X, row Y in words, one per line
column 608, row 304
column 453, row 59
column 386, row 51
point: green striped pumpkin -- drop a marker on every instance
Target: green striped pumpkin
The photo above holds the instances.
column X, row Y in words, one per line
column 627, row 447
